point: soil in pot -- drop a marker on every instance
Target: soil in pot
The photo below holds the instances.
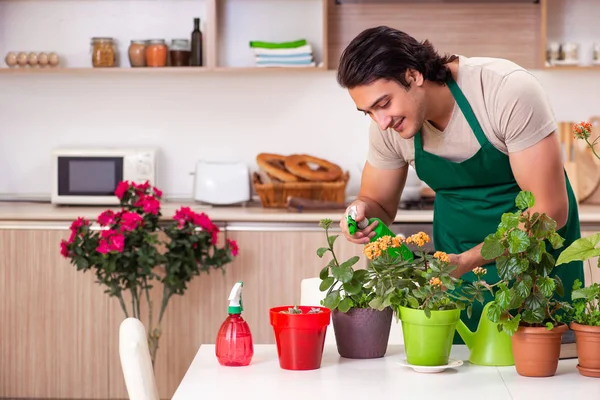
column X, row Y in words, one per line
column 300, row 337
column 536, row 350
column 428, row 341
column 362, row 332
column 588, row 349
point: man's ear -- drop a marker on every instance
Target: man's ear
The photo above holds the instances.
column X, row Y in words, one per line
column 414, row 76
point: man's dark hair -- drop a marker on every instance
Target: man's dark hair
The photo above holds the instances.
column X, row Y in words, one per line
column 386, row 53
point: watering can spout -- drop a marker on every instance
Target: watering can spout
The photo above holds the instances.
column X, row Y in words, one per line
column 467, row 336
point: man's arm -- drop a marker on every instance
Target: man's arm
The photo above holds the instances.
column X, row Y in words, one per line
column 381, row 189
column 538, row 169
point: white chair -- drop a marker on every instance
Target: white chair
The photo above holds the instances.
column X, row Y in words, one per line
column 310, row 295
column 135, row 361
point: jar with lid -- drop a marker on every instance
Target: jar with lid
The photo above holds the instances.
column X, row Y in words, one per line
column 104, row 52
column 180, row 52
column 137, row 53
column 156, row 53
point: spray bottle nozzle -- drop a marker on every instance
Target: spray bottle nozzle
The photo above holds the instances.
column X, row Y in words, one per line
column 351, row 220
column 235, row 299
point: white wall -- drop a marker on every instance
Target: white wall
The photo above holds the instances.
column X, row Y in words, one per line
column 211, row 115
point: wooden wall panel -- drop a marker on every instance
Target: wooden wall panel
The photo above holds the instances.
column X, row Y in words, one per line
column 509, row 30
column 53, row 332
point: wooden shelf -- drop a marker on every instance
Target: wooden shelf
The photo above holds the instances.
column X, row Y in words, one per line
column 162, row 70
column 572, row 67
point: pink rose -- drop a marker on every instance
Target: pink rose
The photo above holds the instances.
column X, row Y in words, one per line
column 233, row 246
column 149, row 204
column 158, row 192
column 111, row 240
column 117, row 242
column 141, row 188
column 122, row 188
column 64, row 250
column 130, row 221
column 106, row 218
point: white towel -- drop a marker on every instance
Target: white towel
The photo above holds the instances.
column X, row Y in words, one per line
column 296, row 50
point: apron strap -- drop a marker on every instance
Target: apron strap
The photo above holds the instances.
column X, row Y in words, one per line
column 467, row 111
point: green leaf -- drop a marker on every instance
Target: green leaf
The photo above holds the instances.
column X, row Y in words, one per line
column 360, row 274
column 535, row 250
column 502, row 298
column 321, row 251
column 560, row 288
column 413, row 303
column 376, row 304
column 494, row 312
column 523, row 287
column 343, row 274
column 508, row 267
column 518, row 241
column 352, row 287
column 580, row 250
column 525, row 199
column 332, row 300
column 345, row 304
column 350, row 262
column 556, row 240
column 546, row 285
column 547, row 264
column 324, row 272
column 511, row 325
column 510, row 220
column 492, row 247
column 331, row 240
column 326, row 283
column 543, row 227
column 534, row 316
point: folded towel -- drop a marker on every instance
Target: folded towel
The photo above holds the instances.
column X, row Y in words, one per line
column 288, row 59
column 312, row 64
column 283, row 56
column 291, row 51
column 274, row 45
column 285, row 62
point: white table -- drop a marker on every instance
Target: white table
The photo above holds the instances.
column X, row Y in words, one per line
column 340, row 378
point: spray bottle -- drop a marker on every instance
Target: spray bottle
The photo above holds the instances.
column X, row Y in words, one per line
column 234, row 346
column 380, row 230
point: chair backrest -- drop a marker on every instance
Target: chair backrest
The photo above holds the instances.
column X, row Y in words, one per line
column 310, row 295
column 135, row 361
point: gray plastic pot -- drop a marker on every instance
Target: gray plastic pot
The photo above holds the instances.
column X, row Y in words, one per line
column 362, row 332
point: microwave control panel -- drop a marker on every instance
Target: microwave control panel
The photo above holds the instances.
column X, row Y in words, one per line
column 140, row 167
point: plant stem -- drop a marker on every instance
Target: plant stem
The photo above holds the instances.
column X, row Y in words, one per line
column 592, row 147
column 133, row 307
column 163, row 305
column 122, row 302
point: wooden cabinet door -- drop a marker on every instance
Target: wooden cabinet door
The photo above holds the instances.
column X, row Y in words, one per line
column 53, row 335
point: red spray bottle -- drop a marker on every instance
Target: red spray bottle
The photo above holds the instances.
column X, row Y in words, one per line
column 234, row 346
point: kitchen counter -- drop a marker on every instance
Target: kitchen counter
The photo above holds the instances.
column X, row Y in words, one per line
column 23, row 214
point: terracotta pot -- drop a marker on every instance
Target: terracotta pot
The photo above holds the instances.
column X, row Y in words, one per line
column 588, row 349
column 362, row 332
column 536, row 350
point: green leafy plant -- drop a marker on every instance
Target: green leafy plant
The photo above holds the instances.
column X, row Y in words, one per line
column 586, row 304
column 127, row 256
column 525, row 267
column 424, row 283
column 344, row 285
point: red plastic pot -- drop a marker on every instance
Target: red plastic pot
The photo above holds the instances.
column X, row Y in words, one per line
column 300, row 337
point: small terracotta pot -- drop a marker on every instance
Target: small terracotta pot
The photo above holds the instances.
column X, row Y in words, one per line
column 362, row 332
column 588, row 349
column 536, row 350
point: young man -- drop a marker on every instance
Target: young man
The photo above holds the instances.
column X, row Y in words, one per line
column 477, row 131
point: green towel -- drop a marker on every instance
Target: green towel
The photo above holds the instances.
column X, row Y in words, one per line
column 282, row 45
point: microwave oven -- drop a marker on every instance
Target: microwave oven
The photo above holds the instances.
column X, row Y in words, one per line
column 90, row 176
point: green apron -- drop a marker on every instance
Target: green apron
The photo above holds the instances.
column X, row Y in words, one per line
column 471, row 197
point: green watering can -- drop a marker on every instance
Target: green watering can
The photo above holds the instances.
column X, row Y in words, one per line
column 487, row 345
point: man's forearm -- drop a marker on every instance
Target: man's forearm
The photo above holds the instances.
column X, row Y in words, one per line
column 375, row 210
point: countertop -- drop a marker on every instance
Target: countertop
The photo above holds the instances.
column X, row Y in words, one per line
column 374, row 378
column 32, row 213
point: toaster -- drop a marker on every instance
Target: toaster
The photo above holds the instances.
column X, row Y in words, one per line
column 222, row 182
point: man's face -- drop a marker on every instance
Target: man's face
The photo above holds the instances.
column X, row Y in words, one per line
column 391, row 105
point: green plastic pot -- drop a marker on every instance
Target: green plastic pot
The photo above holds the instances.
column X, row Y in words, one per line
column 428, row 341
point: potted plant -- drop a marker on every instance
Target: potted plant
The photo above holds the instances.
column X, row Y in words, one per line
column 360, row 331
column 124, row 252
column 300, row 335
column 585, row 300
column 427, row 298
column 524, row 306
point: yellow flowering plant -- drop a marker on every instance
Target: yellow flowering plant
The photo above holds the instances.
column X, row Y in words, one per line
column 425, row 283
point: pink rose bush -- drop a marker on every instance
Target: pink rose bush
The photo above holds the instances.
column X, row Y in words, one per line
column 131, row 249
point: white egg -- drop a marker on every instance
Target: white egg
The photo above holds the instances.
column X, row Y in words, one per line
column 11, row 59
column 22, row 59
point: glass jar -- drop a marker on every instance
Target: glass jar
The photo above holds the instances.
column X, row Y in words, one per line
column 137, row 53
column 180, row 52
column 104, row 52
column 156, row 53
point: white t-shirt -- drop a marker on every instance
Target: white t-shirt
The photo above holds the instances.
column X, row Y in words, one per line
column 508, row 101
